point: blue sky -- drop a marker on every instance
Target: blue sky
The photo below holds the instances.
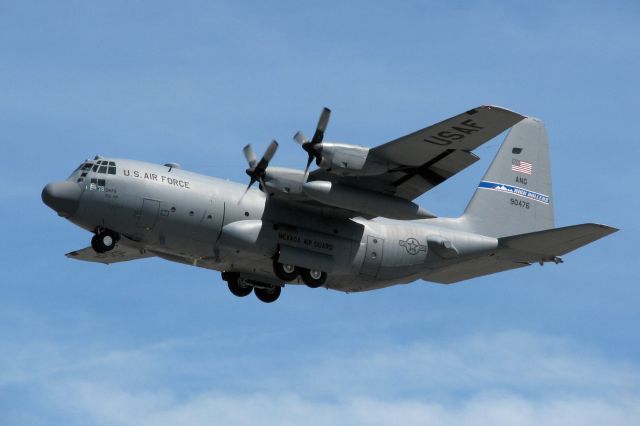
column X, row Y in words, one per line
column 159, row 343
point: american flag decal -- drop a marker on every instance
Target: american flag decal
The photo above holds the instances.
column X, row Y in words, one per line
column 521, row 166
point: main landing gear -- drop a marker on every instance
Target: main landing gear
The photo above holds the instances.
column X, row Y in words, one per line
column 104, row 240
column 311, row 277
column 269, row 293
column 241, row 287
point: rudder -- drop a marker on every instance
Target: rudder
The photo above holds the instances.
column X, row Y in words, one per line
column 514, row 197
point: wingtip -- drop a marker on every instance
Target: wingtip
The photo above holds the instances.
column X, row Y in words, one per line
column 610, row 229
column 504, row 110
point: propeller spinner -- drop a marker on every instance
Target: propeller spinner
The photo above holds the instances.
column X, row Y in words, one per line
column 313, row 147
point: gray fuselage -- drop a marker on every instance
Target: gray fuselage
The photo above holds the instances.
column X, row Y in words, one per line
column 202, row 221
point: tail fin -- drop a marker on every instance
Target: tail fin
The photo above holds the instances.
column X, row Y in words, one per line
column 514, row 196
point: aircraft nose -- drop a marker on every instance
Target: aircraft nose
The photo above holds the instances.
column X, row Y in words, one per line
column 63, row 197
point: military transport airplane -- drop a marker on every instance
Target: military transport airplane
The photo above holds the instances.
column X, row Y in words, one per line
column 350, row 225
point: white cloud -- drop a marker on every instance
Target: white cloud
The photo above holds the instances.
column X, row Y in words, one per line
column 495, row 378
column 102, row 405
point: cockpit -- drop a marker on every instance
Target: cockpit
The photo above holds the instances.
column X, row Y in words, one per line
column 98, row 166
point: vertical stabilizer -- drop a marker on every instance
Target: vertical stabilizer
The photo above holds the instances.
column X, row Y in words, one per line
column 514, row 196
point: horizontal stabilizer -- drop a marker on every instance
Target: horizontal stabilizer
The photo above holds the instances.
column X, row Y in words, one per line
column 471, row 268
column 558, row 241
column 518, row 251
column 120, row 253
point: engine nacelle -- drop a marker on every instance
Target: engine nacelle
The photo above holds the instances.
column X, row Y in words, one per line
column 281, row 179
column 344, row 159
column 253, row 236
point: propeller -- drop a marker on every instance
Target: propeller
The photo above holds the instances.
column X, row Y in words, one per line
column 313, row 147
column 257, row 169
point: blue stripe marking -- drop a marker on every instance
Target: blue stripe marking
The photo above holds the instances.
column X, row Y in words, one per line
column 522, row 192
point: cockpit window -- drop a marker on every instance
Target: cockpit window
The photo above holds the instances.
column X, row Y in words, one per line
column 84, row 166
column 104, row 166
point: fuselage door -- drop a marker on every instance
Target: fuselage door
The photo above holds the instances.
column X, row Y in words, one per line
column 212, row 221
column 148, row 215
column 372, row 256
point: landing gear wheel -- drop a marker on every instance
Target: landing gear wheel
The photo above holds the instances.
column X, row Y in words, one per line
column 104, row 241
column 268, row 295
column 313, row 278
column 237, row 288
column 285, row 271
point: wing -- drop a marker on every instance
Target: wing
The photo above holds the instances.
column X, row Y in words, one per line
column 120, row 253
column 422, row 160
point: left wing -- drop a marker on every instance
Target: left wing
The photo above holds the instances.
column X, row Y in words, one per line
column 120, row 253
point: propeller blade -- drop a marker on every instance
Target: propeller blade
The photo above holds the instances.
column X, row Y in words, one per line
column 251, row 182
column 309, row 161
column 271, row 150
column 250, row 155
column 323, row 121
column 300, row 138
column 264, row 161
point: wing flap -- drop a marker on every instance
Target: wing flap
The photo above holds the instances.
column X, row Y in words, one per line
column 120, row 253
column 415, row 181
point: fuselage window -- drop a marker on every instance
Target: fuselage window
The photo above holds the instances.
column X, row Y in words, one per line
column 97, row 184
column 112, row 168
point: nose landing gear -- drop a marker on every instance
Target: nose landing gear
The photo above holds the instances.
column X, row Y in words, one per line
column 104, row 240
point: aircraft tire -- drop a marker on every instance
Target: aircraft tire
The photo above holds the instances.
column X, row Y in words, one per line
column 237, row 289
column 104, row 241
column 285, row 272
column 268, row 295
column 95, row 244
column 313, row 279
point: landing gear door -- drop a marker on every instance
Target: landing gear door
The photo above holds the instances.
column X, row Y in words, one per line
column 148, row 215
column 372, row 256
